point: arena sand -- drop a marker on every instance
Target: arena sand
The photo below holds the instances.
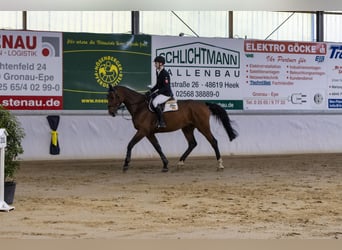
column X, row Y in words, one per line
column 255, row 197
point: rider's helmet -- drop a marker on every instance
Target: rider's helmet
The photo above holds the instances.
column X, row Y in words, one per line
column 159, row 59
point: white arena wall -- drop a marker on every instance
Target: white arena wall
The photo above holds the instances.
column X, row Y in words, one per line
column 101, row 136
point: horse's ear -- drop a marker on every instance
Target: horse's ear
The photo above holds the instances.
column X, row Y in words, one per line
column 110, row 88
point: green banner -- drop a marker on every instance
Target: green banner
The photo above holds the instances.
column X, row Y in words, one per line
column 92, row 62
column 229, row 104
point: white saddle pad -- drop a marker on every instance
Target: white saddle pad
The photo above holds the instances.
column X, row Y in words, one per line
column 171, row 106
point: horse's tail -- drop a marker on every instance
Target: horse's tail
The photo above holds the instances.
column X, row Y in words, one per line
column 221, row 114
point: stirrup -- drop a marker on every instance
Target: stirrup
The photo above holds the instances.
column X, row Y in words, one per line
column 162, row 125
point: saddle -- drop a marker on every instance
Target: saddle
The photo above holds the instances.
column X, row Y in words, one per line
column 170, row 105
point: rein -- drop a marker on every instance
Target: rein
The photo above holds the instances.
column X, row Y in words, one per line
column 132, row 104
column 123, row 113
column 121, row 107
column 136, row 103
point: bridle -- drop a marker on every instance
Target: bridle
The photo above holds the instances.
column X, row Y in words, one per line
column 116, row 107
column 120, row 105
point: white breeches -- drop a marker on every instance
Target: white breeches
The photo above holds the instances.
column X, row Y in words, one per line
column 159, row 100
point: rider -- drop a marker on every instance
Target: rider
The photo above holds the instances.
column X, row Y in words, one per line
column 161, row 91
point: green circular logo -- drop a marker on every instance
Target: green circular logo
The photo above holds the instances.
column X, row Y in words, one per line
column 108, row 71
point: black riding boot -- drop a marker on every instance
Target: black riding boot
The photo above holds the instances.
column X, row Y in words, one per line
column 159, row 112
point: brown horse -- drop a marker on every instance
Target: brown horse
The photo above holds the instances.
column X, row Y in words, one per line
column 191, row 114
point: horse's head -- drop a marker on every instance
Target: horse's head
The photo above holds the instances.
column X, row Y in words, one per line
column 114, row 101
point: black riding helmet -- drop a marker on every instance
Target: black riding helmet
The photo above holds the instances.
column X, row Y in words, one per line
column 159, row 59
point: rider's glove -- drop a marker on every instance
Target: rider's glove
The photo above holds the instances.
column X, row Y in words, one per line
column 148, row 94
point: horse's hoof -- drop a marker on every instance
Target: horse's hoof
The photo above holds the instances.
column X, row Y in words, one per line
column 180, row 164
column 164, row 170
column 219, row 169
column 220, row 165
column 124, row 169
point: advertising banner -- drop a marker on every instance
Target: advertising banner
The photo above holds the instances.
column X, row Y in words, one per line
column 254, row 74
column 334, row 81
column 31, row 70
column 93, row 62
column 284, row 75
column 72, row 71
column 203, row 68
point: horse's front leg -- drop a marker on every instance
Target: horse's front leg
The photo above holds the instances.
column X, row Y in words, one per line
column 152, row 138
column 136, row 138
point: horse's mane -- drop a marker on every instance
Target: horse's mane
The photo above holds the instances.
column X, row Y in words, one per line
column 130, row 95
column 127, row 89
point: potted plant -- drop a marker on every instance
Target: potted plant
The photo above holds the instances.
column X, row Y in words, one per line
column 15, row 135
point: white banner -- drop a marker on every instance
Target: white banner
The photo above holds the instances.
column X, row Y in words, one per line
column 254, row 74
column 284, row 75
column 334, row 81
column 31, row 70
column 202, row 68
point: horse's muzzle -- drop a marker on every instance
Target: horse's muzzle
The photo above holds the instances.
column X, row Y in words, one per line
column 111, row 113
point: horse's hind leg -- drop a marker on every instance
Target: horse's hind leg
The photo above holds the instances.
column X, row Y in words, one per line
column 152, row 138
column 213, row 142
column 189, row 135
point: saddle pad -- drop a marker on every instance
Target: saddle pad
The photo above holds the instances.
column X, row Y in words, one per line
column 171, row 105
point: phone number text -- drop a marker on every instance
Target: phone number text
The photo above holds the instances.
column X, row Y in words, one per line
column 195, row 93
column 29, row 87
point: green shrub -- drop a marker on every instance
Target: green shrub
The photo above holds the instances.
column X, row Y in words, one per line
column 15, row 135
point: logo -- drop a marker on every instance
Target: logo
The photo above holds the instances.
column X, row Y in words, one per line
column 108, row 71
column 318, row 98
column 14, row 41
column 200, row 54
column 336, row 52
column 50, row 46
column 319, row 59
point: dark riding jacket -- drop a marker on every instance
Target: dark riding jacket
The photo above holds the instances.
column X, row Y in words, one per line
column 163, row 83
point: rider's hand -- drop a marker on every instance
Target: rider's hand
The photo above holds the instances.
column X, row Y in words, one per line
column 148, row 93
column 154, row 94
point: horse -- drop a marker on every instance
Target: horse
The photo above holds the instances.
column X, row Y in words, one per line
column 191, row 114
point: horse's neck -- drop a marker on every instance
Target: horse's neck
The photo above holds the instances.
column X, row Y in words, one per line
column 132, row 100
